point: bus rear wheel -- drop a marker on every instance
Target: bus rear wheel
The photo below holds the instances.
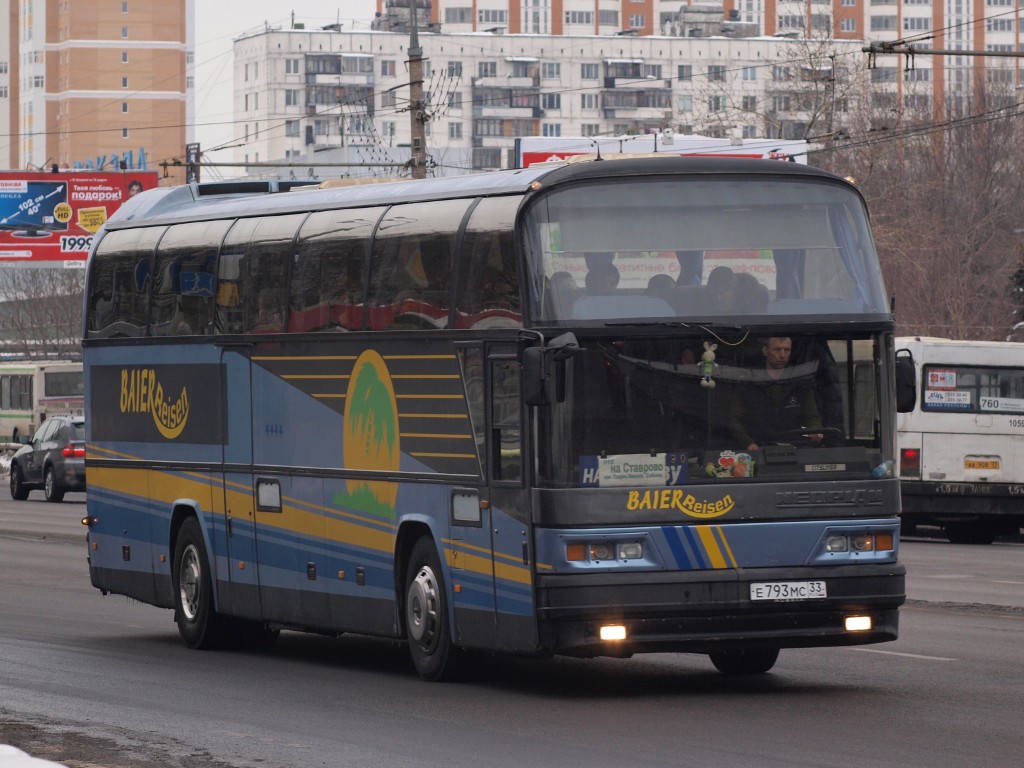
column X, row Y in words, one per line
column 746, row 661
column 198, row 623
column 426, row 615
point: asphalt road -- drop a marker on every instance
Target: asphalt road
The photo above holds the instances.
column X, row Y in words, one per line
column 100, row 681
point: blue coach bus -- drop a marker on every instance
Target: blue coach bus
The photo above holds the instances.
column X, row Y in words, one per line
column 538, row 411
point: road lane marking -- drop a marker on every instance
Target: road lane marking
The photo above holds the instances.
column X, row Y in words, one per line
column 905, row 655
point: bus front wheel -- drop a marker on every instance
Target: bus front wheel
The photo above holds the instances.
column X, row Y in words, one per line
column 426, row 615
column 746, row 661
column 200, row 626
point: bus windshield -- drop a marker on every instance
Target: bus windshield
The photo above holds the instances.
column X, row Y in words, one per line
column 700, row 248
column 651, row 402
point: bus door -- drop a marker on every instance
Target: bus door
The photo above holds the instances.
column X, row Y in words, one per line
column 289, row 522
column 471, row 524
column 241, row 596
column 509, row 502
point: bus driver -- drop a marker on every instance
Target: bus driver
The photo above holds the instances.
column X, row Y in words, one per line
column 778, row 401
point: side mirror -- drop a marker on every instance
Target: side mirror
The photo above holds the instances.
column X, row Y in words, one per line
column 537, row 367
column 906, row 385
column 535, row 376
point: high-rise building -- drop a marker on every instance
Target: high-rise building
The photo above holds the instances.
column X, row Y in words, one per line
column 96, row 84
column 301, row 93
column 990, row 27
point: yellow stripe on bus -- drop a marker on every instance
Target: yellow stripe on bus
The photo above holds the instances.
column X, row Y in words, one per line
column 433, row 416
column 725, row 546
column 303, row 357
column 707, row 537
column 419, row 357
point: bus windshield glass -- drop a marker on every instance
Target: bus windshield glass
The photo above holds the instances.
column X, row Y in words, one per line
column 647, row 411
column 699, row 248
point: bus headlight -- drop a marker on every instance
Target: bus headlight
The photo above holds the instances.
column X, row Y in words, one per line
column 837, row 543
column 603, row 551
column 631, row 550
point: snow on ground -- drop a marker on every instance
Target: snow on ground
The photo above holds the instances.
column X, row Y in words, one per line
column 11, row 757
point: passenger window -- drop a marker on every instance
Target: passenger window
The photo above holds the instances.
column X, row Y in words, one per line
column 119, row 283
column 488, row 282
column 506, row 457
column 184, row 279
column 266, row 261
column 327, row 285
column 230, row 286
column 410, row 277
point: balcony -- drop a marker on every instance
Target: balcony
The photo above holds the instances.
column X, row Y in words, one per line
column 506, row 82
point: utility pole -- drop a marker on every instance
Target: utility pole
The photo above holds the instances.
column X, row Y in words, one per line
column 416, row 112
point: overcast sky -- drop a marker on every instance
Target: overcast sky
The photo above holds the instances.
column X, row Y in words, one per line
column 218, row 23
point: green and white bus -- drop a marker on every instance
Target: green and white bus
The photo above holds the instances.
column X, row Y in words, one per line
column 498, row 412
column 32, row 389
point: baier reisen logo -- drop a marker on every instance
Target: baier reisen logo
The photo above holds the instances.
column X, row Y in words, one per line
column 159, row 403
column 141, row 392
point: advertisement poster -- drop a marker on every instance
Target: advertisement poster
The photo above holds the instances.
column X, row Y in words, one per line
column 49, row 219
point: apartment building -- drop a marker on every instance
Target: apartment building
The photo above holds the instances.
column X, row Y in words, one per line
column 989, row 26
column 301, row 93
column 95, row 84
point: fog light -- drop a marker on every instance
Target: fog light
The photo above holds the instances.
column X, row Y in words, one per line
column 631, row 550
column 613, row 632
column 837, row 544
column 602, row 551
column 858, row 623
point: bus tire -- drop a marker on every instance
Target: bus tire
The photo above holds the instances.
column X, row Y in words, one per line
column 426, row 615
column 51, row 487
column 200, row 626
column 18, row 490
column 746, row 661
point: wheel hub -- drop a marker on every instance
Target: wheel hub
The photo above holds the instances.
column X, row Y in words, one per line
column 421, row 607
column 188, row 583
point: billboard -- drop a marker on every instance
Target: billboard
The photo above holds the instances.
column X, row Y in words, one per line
column 49, row 219
column 543, row 149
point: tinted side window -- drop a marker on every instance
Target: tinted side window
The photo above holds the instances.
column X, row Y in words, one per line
column 46, row 431
column 184, row 279
column 119, row 283
column 410, row 274
column 488, row 282
column 230, row 269
column 327, row 289
column 266, row 266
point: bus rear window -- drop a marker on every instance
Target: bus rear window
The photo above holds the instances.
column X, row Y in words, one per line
column 972, row 389
column 63, row 384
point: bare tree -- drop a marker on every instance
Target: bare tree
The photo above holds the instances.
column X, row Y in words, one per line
column 809, row 88
column 41, row 311
column 946, row 198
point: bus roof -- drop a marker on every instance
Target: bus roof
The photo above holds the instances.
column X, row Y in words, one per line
column 220, row 200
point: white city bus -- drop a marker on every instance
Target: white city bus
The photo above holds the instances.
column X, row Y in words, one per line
column 32, row 389
column 961, row 448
